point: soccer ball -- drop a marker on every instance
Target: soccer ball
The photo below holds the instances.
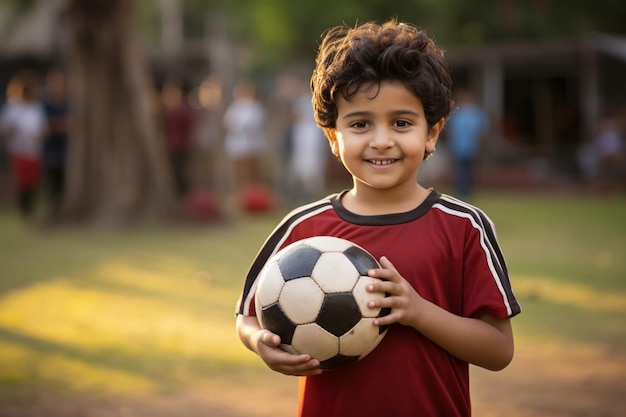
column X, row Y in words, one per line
column 312, row 294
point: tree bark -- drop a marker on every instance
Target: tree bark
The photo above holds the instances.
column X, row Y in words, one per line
column 117, row 171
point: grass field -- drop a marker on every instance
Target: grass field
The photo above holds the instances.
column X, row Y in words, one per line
column 93, row 316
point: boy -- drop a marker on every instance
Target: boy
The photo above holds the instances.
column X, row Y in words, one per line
column 381, row 94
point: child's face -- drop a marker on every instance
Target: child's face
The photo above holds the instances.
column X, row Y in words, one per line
column 381, row 138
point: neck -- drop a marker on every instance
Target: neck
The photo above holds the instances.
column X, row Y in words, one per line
column 367, row 201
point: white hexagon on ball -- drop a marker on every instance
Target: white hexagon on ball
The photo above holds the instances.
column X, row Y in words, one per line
column 328, row 243
column 362, row 296
column 359, row 339
column 301, row 300
column 335, row 273
column 270, row 285
column 314, row 340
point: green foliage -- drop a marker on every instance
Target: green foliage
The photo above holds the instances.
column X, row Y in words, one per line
column 21, row 6
column 148, row 21
column 280, row 31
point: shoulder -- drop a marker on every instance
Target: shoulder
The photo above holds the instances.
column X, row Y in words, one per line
column 455, row 205
column 302, row 222
column 457, row 208
column 310, row 210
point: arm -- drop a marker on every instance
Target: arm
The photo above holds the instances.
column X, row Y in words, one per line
column 486, row 341
column 266, row 344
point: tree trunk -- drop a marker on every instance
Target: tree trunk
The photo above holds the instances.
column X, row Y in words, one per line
column 118, row 171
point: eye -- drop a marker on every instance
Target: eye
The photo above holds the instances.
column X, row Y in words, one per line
column 359, row 125
column 402, row 123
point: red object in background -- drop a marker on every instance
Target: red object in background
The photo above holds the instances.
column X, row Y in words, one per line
column 26, row 171
column 201, row 204
column 257, row 198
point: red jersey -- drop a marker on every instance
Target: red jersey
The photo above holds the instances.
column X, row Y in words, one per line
column 448, row 251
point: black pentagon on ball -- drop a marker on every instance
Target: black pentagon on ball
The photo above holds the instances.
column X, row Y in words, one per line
column 362, row 260
column 299, row 262
column 276, row 321
column 339, row 313
column 383, row 312
column 338, row 361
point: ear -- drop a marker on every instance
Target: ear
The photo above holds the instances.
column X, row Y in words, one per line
column 331, row 135
column 433, row 135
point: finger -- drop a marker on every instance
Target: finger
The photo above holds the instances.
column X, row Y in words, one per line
column 386, row 320
column 302, row 372
column 311, row 371
column 380, row 273
column 310, row 365
column 387, row 264
column 270, row 339
column 391, row 291
column 387, row 287
column 387, row 272
column 290, row 359
column 302, row 365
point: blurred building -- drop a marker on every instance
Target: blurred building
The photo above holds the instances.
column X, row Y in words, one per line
column 29, row 38
column 545, row 98
column 36, row 35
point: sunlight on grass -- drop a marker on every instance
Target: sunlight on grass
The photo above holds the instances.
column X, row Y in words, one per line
column 569, row 314
column 575, row 295
column 120, row 327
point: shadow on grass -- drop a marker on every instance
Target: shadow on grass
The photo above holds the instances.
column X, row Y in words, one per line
column 163, row 370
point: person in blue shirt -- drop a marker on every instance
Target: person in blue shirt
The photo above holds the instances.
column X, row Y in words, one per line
column 465, row 129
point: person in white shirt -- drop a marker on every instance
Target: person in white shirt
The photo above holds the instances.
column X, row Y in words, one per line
column 22, row 127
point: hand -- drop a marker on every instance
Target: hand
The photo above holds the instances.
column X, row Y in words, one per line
column 402, row 298
column 485, row 341
column 267, row 347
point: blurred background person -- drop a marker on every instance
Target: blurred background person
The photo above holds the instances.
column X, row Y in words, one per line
column 178, row 127
column 285, row 92
column 245, row 122
column 309, row 152
column 22, row 127
column 603, row 160
column 56, row 107
column 464, row 130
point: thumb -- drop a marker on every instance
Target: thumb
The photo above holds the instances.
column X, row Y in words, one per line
column 270, row 339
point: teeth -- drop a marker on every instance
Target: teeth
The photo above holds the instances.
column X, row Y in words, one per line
column 385, row 162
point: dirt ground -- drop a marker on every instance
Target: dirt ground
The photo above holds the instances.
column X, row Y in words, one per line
column 579, row 382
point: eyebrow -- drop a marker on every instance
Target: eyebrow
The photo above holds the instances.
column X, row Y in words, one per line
column 368, row 113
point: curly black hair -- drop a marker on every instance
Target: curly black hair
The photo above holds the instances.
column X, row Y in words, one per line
column 349, row 58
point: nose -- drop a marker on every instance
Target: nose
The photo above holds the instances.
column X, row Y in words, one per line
column 382, row 139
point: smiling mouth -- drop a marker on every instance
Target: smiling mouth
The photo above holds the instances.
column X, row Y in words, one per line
column 381, row 161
